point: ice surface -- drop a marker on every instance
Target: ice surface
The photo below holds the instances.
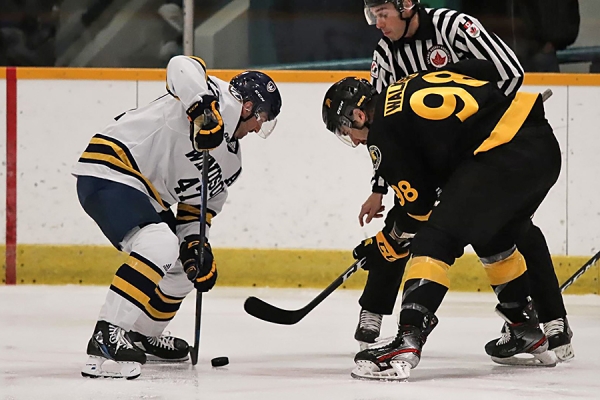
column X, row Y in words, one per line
column 44, row 331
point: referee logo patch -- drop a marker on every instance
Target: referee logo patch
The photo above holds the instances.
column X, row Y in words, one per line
column 438, row 56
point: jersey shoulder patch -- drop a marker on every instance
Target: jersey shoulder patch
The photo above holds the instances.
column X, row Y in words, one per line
column 470, row 27
column 375, row 156
column 374, row 69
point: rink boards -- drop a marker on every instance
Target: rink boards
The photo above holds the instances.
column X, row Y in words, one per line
column 300, row 190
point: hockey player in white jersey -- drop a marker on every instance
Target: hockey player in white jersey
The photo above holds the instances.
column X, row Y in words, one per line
column 130, row 175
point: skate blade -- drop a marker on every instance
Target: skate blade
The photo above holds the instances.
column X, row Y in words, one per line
column 564, row 353
column 402, row 368
column 543, row 359
column 151, row 358
column 100, row 367
column 367, row 371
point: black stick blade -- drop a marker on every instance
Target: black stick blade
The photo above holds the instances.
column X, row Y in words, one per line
column 265, row 311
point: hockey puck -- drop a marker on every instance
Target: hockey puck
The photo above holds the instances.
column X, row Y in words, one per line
column 219, row 361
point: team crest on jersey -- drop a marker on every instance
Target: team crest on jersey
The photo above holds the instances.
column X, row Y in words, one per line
column 271, row 87
column 375, row 156
column 374, row 69
column 438, row 56
column 471, row 28
column 236, row 94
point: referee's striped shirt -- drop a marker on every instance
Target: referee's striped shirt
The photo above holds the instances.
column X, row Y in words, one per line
column 444, row 37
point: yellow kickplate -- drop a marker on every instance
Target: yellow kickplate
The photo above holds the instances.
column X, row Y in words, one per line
column 96, row 265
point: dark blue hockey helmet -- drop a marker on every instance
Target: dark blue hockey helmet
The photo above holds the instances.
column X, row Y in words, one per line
column 261, row 90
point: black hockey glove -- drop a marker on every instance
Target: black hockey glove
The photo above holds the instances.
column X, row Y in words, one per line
column 203, row 278
column 381, row 250
column 206, row 123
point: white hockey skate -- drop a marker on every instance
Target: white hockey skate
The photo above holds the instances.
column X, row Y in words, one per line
column 112, row 354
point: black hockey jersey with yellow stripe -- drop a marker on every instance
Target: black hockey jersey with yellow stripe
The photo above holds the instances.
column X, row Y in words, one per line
column 427, row 123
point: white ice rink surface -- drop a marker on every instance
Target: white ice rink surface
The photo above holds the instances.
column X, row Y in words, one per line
column 44, row 331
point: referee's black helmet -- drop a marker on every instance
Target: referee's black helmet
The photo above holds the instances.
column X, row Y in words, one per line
column 399, row 4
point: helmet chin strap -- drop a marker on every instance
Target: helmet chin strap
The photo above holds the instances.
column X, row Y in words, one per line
column 408, row 20
column 242, row 119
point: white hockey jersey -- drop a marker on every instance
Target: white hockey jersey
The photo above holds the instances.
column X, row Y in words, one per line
column 149, row 148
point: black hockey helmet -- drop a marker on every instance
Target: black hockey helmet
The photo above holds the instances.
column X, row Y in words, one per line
column 261, row 90
column 399, row 4
column 340, row 101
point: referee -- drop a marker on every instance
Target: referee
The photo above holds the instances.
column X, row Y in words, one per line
column 421, row 39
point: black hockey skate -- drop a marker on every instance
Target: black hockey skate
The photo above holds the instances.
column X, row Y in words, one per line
column 518, row 338
column 163, row 348
column 559, row 336
column 111, row 343
column 393, row 361
column 368, row 328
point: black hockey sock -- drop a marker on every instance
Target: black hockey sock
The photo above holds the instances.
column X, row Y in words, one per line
column 420, row 297
column 382, row 287
column 545, row 289
column 513, row 296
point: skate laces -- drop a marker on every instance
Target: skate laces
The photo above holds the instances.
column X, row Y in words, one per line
column 506, row 335
column 117, row 337
column 554, row 327
column 165, row 341
column 370, row 321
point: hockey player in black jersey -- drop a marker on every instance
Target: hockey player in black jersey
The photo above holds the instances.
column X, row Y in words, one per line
column 468, row 165
column 417, row 39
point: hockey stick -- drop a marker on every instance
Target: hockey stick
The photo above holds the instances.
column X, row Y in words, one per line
column 267, row 312
column 194, row 350
column 580, row 272
column 262, row 310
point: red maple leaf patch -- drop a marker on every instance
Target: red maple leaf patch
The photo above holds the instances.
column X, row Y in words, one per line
column 438, row 60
